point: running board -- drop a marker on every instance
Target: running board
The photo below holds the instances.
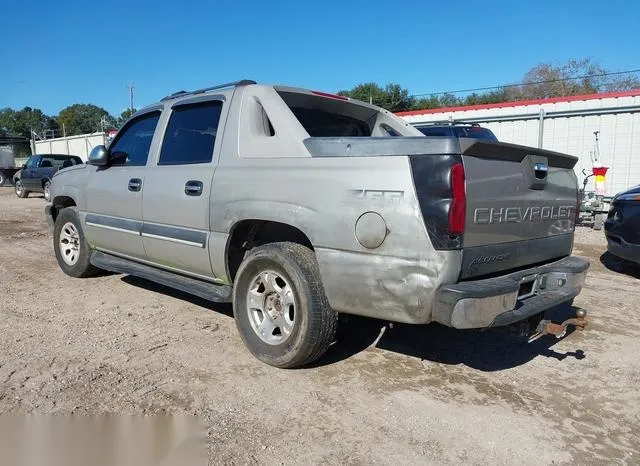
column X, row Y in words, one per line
column 200, row 288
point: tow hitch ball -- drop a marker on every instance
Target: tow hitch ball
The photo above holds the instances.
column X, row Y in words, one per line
column 546, row 327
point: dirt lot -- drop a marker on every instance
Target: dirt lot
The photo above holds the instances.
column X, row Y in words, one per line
column 412, row 395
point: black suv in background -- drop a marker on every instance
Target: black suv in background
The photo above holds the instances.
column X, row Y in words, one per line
column 622, row 227
column 457, row 130
column 35, row 175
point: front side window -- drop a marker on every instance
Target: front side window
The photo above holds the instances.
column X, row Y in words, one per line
column 191, row 134
column 131, row 148
column 33, row 161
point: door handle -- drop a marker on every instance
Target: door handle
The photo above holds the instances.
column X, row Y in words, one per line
column 193, row 188
column 135, row 184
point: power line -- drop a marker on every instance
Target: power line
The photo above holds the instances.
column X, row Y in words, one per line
column 489, row 88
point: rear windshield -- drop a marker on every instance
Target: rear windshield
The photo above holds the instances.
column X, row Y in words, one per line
column 476, row 132
column 435, row 131
column 326, row 117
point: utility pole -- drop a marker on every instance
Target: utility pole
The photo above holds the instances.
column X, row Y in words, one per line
column 131, row 88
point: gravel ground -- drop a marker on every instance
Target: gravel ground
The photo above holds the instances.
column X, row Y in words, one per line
column 585, row 234
column 405, row 395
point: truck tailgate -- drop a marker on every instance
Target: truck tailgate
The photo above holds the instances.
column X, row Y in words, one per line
column 520, row 206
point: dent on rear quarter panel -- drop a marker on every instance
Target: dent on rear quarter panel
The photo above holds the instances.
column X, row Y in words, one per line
column 395, row 281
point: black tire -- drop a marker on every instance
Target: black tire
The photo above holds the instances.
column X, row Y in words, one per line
column 315, row 323
column 46, row 189
column 2, row 179
column 81, row 267
column 20, row 191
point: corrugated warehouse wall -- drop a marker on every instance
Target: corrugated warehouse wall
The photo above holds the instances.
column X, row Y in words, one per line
column 79, row 145
column 567, row 126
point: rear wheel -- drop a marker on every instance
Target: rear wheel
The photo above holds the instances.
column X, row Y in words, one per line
column 20, row 191
column 280, row 307
column 2, row 179
column 72, row 250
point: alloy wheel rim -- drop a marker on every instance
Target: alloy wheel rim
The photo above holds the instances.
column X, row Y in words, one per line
column 271, row 307
column 69, row 243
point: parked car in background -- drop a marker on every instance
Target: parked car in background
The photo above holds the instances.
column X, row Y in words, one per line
column 622, row 227
column 456, row 129
column 35, row 175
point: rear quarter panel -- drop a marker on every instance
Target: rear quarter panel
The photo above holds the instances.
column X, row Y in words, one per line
column 324, row 198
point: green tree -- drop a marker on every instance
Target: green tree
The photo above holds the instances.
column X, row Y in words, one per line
column 427, row 103
column 124, row 116
column 84, row 118
column 22, row 122
column 393, row 97
column 574, row 77
column 583, row 76
column 449, row 100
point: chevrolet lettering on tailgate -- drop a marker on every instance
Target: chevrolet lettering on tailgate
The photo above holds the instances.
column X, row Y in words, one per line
column 486, row 215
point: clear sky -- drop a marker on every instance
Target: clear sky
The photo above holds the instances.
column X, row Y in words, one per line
column 56, row 54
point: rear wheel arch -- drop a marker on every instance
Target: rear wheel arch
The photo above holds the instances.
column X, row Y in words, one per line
column 249, row 233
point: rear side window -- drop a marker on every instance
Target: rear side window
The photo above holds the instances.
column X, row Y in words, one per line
column 61, row 161
column 191, row 134
column 320, row 123
column 131, row 146
column 329, row 117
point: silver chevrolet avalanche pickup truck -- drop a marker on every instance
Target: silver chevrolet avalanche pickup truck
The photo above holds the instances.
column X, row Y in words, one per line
column 297, row 205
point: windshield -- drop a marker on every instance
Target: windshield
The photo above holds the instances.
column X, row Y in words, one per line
column 476, row 132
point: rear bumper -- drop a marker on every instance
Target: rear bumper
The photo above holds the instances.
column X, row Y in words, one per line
column 620, row 248
column 510, row 298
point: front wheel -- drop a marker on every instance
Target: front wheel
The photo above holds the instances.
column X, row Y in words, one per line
column 280, row 307
column 72, row 250
column 47, row 191
column 20, row 191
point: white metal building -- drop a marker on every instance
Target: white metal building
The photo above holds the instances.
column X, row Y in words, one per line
column 79, row 145
column 564, row 124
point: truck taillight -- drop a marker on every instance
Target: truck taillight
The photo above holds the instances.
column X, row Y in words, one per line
column 458, row 207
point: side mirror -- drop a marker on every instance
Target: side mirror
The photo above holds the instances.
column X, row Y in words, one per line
column 24, row 165
column 98, row 156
